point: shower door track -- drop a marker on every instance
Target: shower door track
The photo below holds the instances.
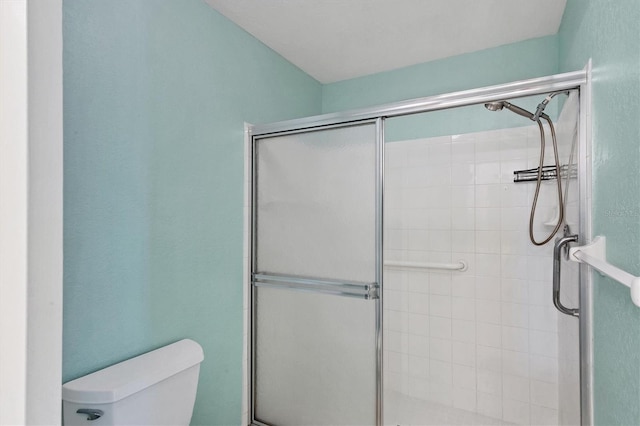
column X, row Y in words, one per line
column 576, row 80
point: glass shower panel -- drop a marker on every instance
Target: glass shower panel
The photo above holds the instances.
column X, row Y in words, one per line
column 482, row 344
column 316, row 204
column 315, row 350
column 315, row 359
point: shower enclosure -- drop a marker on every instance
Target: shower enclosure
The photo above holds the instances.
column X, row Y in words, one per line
column 391, row 276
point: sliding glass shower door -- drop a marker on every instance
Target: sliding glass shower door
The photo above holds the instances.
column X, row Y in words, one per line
column 316, row 268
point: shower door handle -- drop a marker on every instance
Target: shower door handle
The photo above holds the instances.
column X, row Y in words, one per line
column 557, row 255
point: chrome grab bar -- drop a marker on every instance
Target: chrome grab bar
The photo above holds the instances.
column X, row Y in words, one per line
column 557, row 254
column 460, row 266
column 317, row 285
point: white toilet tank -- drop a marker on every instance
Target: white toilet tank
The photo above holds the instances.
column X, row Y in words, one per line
column 156, row 388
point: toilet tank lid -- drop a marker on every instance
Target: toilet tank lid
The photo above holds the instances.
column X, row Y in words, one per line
column 120, row 380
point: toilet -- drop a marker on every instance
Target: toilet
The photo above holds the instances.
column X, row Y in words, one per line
column 156, row 388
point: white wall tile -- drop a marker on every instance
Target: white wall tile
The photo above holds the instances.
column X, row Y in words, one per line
column 418, row 324
column 515, row 314
column 412, row 198
column 439, row 241
column 396, row 341
column 415, row 154
column 488, row 265
column 488, row 287
column 513, row 196
column 489, row 382
column 440, row 283
column 418, row 345
column 487, row 242
column 515, row 267
column 488, row 195
column 514, row 242
column 463, row 353
column 438, row 175
column 488, row 335
column 544, row 368
column 398, row 362
column 417, row 303
column 463, row 174
column 440, row 306
column 489, row 358
column 539, row 268
column 515, row 291
column 415, row 239
column 440, row 151
column 440, row 218
column 514, row 218
column 544, row 394
column 463, row 218
column 544, row 318
column 440, row 372
column 543, row 343
column 463, row 285
column 440, row 327
column 488, row 173
column 515, row 388
column 411, row 177
column 463, row 196
column 463, row 308
column 488, row 311
column 462, row 241
column 515, row 363
column 544, row 416
column 489, row 405
column 464, row 377
column 397, row 321
column 463, row 152
column 487, row 149
column 515, row 339
column 414, row 219
column 440, row 350
column 464, row 399
column 539, row 292
column 419, row 366
column 515, row 412
column 418, row 387
column 416, row 281
column 396, row 300
column 441, row 393
column 464, row 331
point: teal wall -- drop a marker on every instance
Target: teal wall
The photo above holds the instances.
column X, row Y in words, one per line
column 527, row 59
column 156, row 93
column 609, row 32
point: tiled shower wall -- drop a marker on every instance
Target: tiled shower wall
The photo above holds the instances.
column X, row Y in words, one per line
column 484, row 340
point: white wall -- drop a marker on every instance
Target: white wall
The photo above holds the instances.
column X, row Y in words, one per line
column 30, row 211
column 13, row 211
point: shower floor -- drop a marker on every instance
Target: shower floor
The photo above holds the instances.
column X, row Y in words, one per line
column 403, row 410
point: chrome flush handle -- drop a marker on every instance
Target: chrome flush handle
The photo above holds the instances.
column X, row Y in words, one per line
column 557, row 254
column 92, row 413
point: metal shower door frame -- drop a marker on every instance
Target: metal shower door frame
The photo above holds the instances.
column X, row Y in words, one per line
column 576, row 80
column 367, row 291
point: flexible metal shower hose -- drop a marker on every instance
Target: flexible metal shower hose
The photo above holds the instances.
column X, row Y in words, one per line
column 539, row 181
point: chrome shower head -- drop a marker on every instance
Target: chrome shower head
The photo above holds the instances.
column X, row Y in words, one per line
column 494, row 106
column 497, row 106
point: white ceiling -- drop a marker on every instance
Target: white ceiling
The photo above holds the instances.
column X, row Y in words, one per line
column 334, row 40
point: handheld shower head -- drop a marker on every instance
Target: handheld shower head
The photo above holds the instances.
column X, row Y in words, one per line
column 494, row 106
column 497, row 106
